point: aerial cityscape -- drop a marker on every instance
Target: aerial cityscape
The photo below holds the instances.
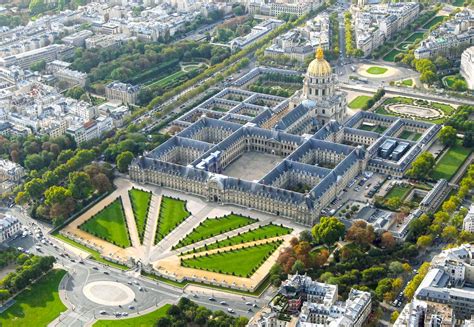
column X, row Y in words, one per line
column 278, row 163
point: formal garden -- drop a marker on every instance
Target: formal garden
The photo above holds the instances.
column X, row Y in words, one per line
column 257, row 234
column 215, row 226
column 409, row 135
column 277, row 84
column 109, row 224
column 242, row 262
column 451, row 161
column 140, row 201
column 398, row 191
column 172, row 213
column 416, row 109
column 435, row 21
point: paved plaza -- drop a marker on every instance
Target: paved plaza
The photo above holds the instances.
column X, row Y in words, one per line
column 252, row 165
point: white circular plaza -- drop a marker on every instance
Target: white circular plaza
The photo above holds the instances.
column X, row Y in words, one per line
column 108, row 293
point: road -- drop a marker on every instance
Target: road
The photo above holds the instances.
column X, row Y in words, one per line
column 82, row 271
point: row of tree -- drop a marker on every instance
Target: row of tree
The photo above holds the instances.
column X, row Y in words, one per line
column 31, row 267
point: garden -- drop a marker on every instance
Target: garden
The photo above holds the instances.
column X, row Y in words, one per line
column 215, row 226
column 172, row 213
column 391, row 55
column 436, row 20
column 409, row 135
column 109, row 224
column 241, row 262
column 140, row 204
column 260, row 233
column 449, row 164
column 398, row 191
column 148, row 319
column 416, row 109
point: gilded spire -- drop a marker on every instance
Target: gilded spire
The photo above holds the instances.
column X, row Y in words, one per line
column 319, row 53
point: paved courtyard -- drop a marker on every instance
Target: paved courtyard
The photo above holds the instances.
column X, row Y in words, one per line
column 252, row 165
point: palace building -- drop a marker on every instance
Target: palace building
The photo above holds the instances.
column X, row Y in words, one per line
column 288, row 157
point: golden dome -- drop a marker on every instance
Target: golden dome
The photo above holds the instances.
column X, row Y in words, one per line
column 319, row 66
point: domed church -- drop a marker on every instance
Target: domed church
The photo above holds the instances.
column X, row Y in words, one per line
column 320, row 92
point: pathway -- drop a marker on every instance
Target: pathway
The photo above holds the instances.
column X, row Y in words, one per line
column 460, row 173
column 129, row 216
column 151, row 225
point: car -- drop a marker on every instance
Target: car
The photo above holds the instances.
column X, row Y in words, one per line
column 136, row 283
column 124, row 314
column 212, row 299
column 248, row 303
column 118, row 314
column 223, row 302
column 106, row 272
column 95, row 268
column 230, row 310
column 131, row 307
column 140, row 289
column 249, row 310
column 254, row 305
column 129, row 283
column 103, row 312
column 81, row 262
column 20, row 248
column 72, row 260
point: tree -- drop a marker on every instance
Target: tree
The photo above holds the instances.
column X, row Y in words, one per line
column 38, row 66
column 298, row 267
column 4, row 294
column 394, row 316
column 124, row 159
column 424, row 241
column 387, row 240
column 428, row 77
column 35, row 188
column 56, row 194
column 37, row 6
column 101, row 183
column 306, row 235
column 360, row 232
column 449, row 233
column 395, row 268
column 80, row 185
column 447, row 135
column 421, row 166
column 328, row 231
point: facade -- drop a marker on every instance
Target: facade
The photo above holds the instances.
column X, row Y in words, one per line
column 26, row 59
column 125, row 93
column 467, row 67
column 71, row 77
column 468, row 223
column 9, row 227
column 445, row 296
column 277, row 7
column 316, row 155
column 11, row 171
column 450, row 39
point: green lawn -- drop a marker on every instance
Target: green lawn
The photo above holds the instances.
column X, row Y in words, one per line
column 260, row 233
column 147, row 320
column 415, row 36
column 391, row 55
column 215, row 226
column 140, row 202
column 451, row 161
column 433, row 22
column 376, row 128
column 359, row 102
column 242, row 262
column 38, row 305
column 446, row 108
column 376, row 70
column 109, row 224
column 407, row 82
column 458, row 3
column 172, row 213
column 398, row 191
column 168, row 79
column 449, row 80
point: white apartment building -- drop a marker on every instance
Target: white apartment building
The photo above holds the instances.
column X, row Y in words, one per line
column 9, row 227
column 375, row 24
column 71, row 77
column 277, row 7
column 11, row 171
column 26, row 59
column 467, row 67
column 91, row 130
column 468, row 223
column 450, row 38
column 255, row 34
column 445, row 296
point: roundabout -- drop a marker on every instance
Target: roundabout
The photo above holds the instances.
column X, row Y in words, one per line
column 108, row 293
